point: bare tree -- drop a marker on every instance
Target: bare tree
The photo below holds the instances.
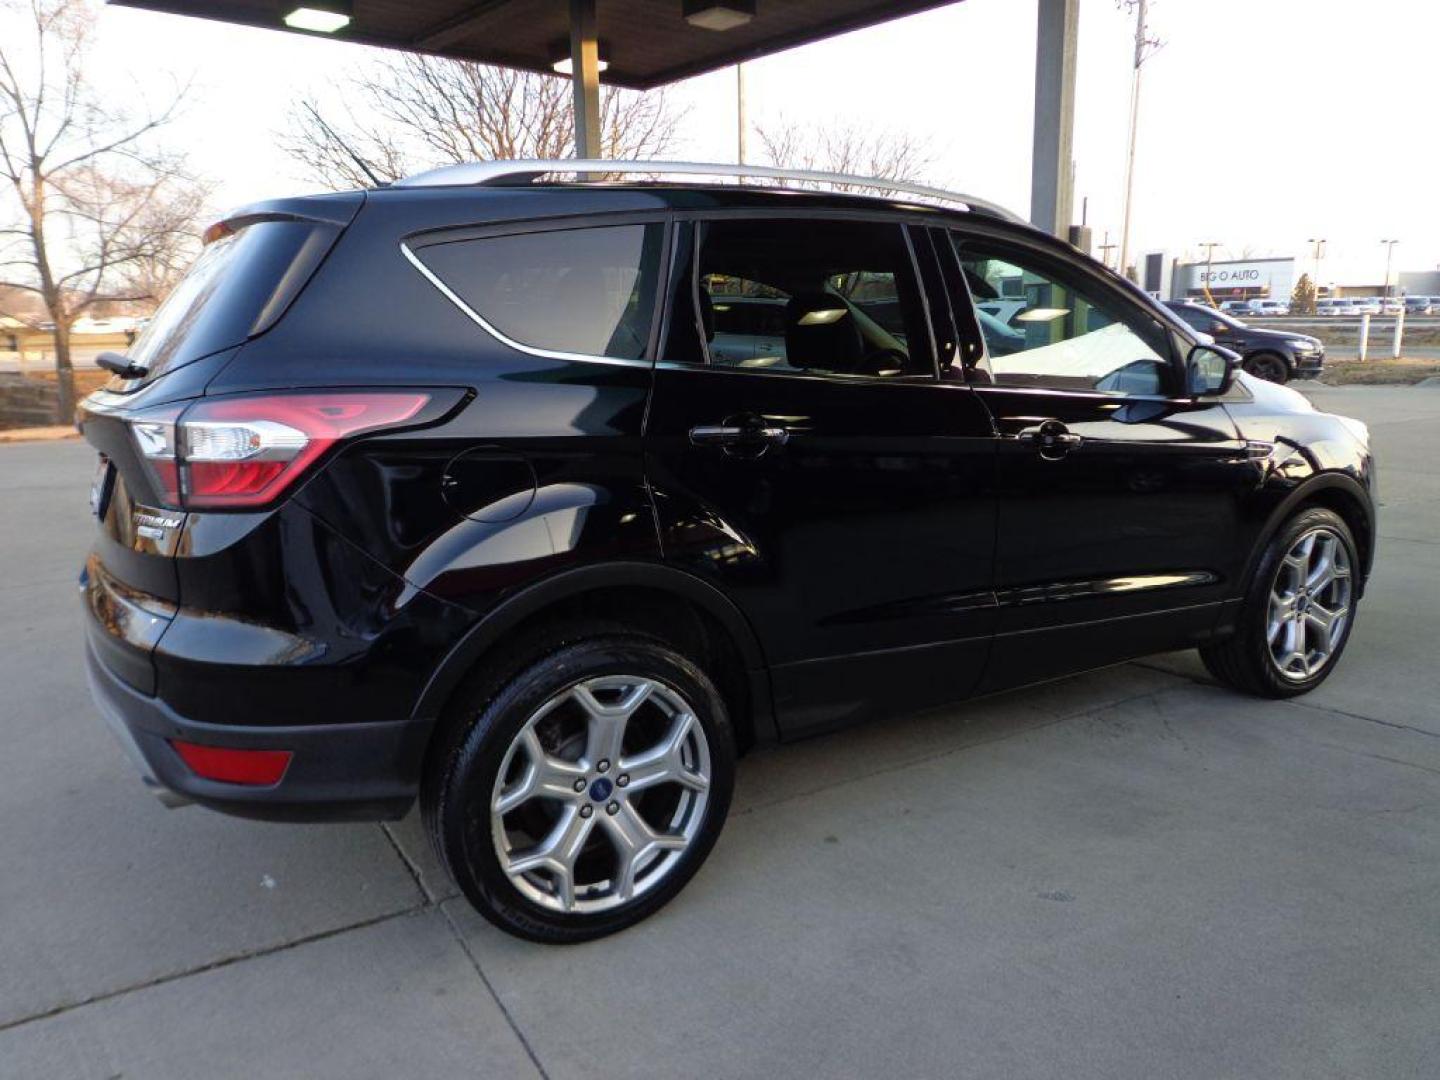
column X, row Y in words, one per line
column 883, row 155
column 413, row 112
column 87, row 201
column 168, row 234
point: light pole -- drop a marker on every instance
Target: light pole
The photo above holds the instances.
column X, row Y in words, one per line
column 1389, row 253
column 1209, row 246
column 1315, row 273
column 1319, row 253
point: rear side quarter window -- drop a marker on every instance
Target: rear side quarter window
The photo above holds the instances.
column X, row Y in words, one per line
column 587, row 292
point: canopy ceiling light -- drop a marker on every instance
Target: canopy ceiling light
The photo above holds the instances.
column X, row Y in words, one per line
column 561, row 62
column 718, row 14
column 321, row 16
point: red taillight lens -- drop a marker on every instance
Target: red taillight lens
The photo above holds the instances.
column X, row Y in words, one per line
column 258, row 768
column 239, row 453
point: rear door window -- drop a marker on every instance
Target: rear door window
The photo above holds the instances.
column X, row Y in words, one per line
column 586, row 292
column 804, row 296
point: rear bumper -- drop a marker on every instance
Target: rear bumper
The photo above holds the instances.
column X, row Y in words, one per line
column 339, row 772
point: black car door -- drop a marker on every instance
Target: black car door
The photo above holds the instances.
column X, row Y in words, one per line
column 829, row 484
column 1119, row 496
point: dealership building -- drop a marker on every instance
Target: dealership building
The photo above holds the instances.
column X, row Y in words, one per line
column 1242, row 279
column 1269, row 279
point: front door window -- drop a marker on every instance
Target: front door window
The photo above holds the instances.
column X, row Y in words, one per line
column 1044, row 326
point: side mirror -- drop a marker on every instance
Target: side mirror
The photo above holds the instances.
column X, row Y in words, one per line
column 1209, row 371
column 1219, row 328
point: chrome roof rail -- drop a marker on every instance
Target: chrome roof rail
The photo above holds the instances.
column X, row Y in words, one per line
column 499, row 173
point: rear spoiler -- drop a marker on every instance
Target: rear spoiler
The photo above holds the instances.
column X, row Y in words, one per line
column 337, row 210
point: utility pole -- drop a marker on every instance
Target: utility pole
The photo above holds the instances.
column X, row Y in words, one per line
column 1389, row 253
column 740, row 114
column 1209, row 246
column 1106, row 248
column 1144, row 47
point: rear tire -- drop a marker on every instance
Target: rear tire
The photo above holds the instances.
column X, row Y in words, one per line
column 1296, row 617
column 582, row 786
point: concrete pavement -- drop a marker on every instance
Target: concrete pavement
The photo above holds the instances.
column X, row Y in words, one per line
column 1127, row 874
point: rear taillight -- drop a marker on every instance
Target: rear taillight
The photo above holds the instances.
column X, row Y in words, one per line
column 241, row 453
column 155, row 439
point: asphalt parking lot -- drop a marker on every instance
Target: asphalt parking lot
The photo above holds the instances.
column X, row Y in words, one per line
column 1127, row 874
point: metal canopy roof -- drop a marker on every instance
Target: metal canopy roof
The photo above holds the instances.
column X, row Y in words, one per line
column 646, row 42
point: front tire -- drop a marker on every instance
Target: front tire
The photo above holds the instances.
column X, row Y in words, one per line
column 1297, row 614
column 1268, row 366
column 580, row 793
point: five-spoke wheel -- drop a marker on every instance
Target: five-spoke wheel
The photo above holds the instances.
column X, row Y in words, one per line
column 583, row 782
column 1309, row 604
column 1297, row 612
column 600, row 792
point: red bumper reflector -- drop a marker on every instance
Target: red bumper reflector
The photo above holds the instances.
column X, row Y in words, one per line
column 257, row 767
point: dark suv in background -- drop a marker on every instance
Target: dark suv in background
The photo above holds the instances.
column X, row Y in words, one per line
column 445, row 490
column 1273, row 355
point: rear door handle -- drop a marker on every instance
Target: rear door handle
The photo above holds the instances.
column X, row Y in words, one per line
column 1052, row 439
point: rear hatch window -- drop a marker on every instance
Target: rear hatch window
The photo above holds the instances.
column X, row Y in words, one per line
column 253, row 266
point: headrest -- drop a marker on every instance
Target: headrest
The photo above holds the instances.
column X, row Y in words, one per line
column 820, row 332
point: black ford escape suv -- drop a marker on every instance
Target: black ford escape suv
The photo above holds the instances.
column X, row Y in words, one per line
column 1273, row 355
column 443, row 490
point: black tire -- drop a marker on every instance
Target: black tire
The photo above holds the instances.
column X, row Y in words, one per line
column 1268, row 366
column 481, row 725
column 1243, row 660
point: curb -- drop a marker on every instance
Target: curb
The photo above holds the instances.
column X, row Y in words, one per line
column 39, row 434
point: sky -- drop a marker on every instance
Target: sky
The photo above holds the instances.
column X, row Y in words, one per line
column 1264, row 123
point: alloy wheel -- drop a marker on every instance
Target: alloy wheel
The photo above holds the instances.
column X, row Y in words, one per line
column 1310, row 601
column 600, row 793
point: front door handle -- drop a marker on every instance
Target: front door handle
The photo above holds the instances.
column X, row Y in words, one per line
column 739, row 436
column 1052, row 439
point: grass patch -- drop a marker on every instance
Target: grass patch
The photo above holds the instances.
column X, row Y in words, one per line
column 1400, row 372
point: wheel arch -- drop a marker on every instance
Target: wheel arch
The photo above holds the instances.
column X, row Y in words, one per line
column 669, row 603
column 1335, row 491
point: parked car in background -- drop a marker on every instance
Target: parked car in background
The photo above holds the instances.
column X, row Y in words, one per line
column 1392, row 305
column 1367, row 305
column 1235, row 307
column 1274, row 355
column 1418, row 305
column 442, row 491
column 1271, row 308
column 1336, row 305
